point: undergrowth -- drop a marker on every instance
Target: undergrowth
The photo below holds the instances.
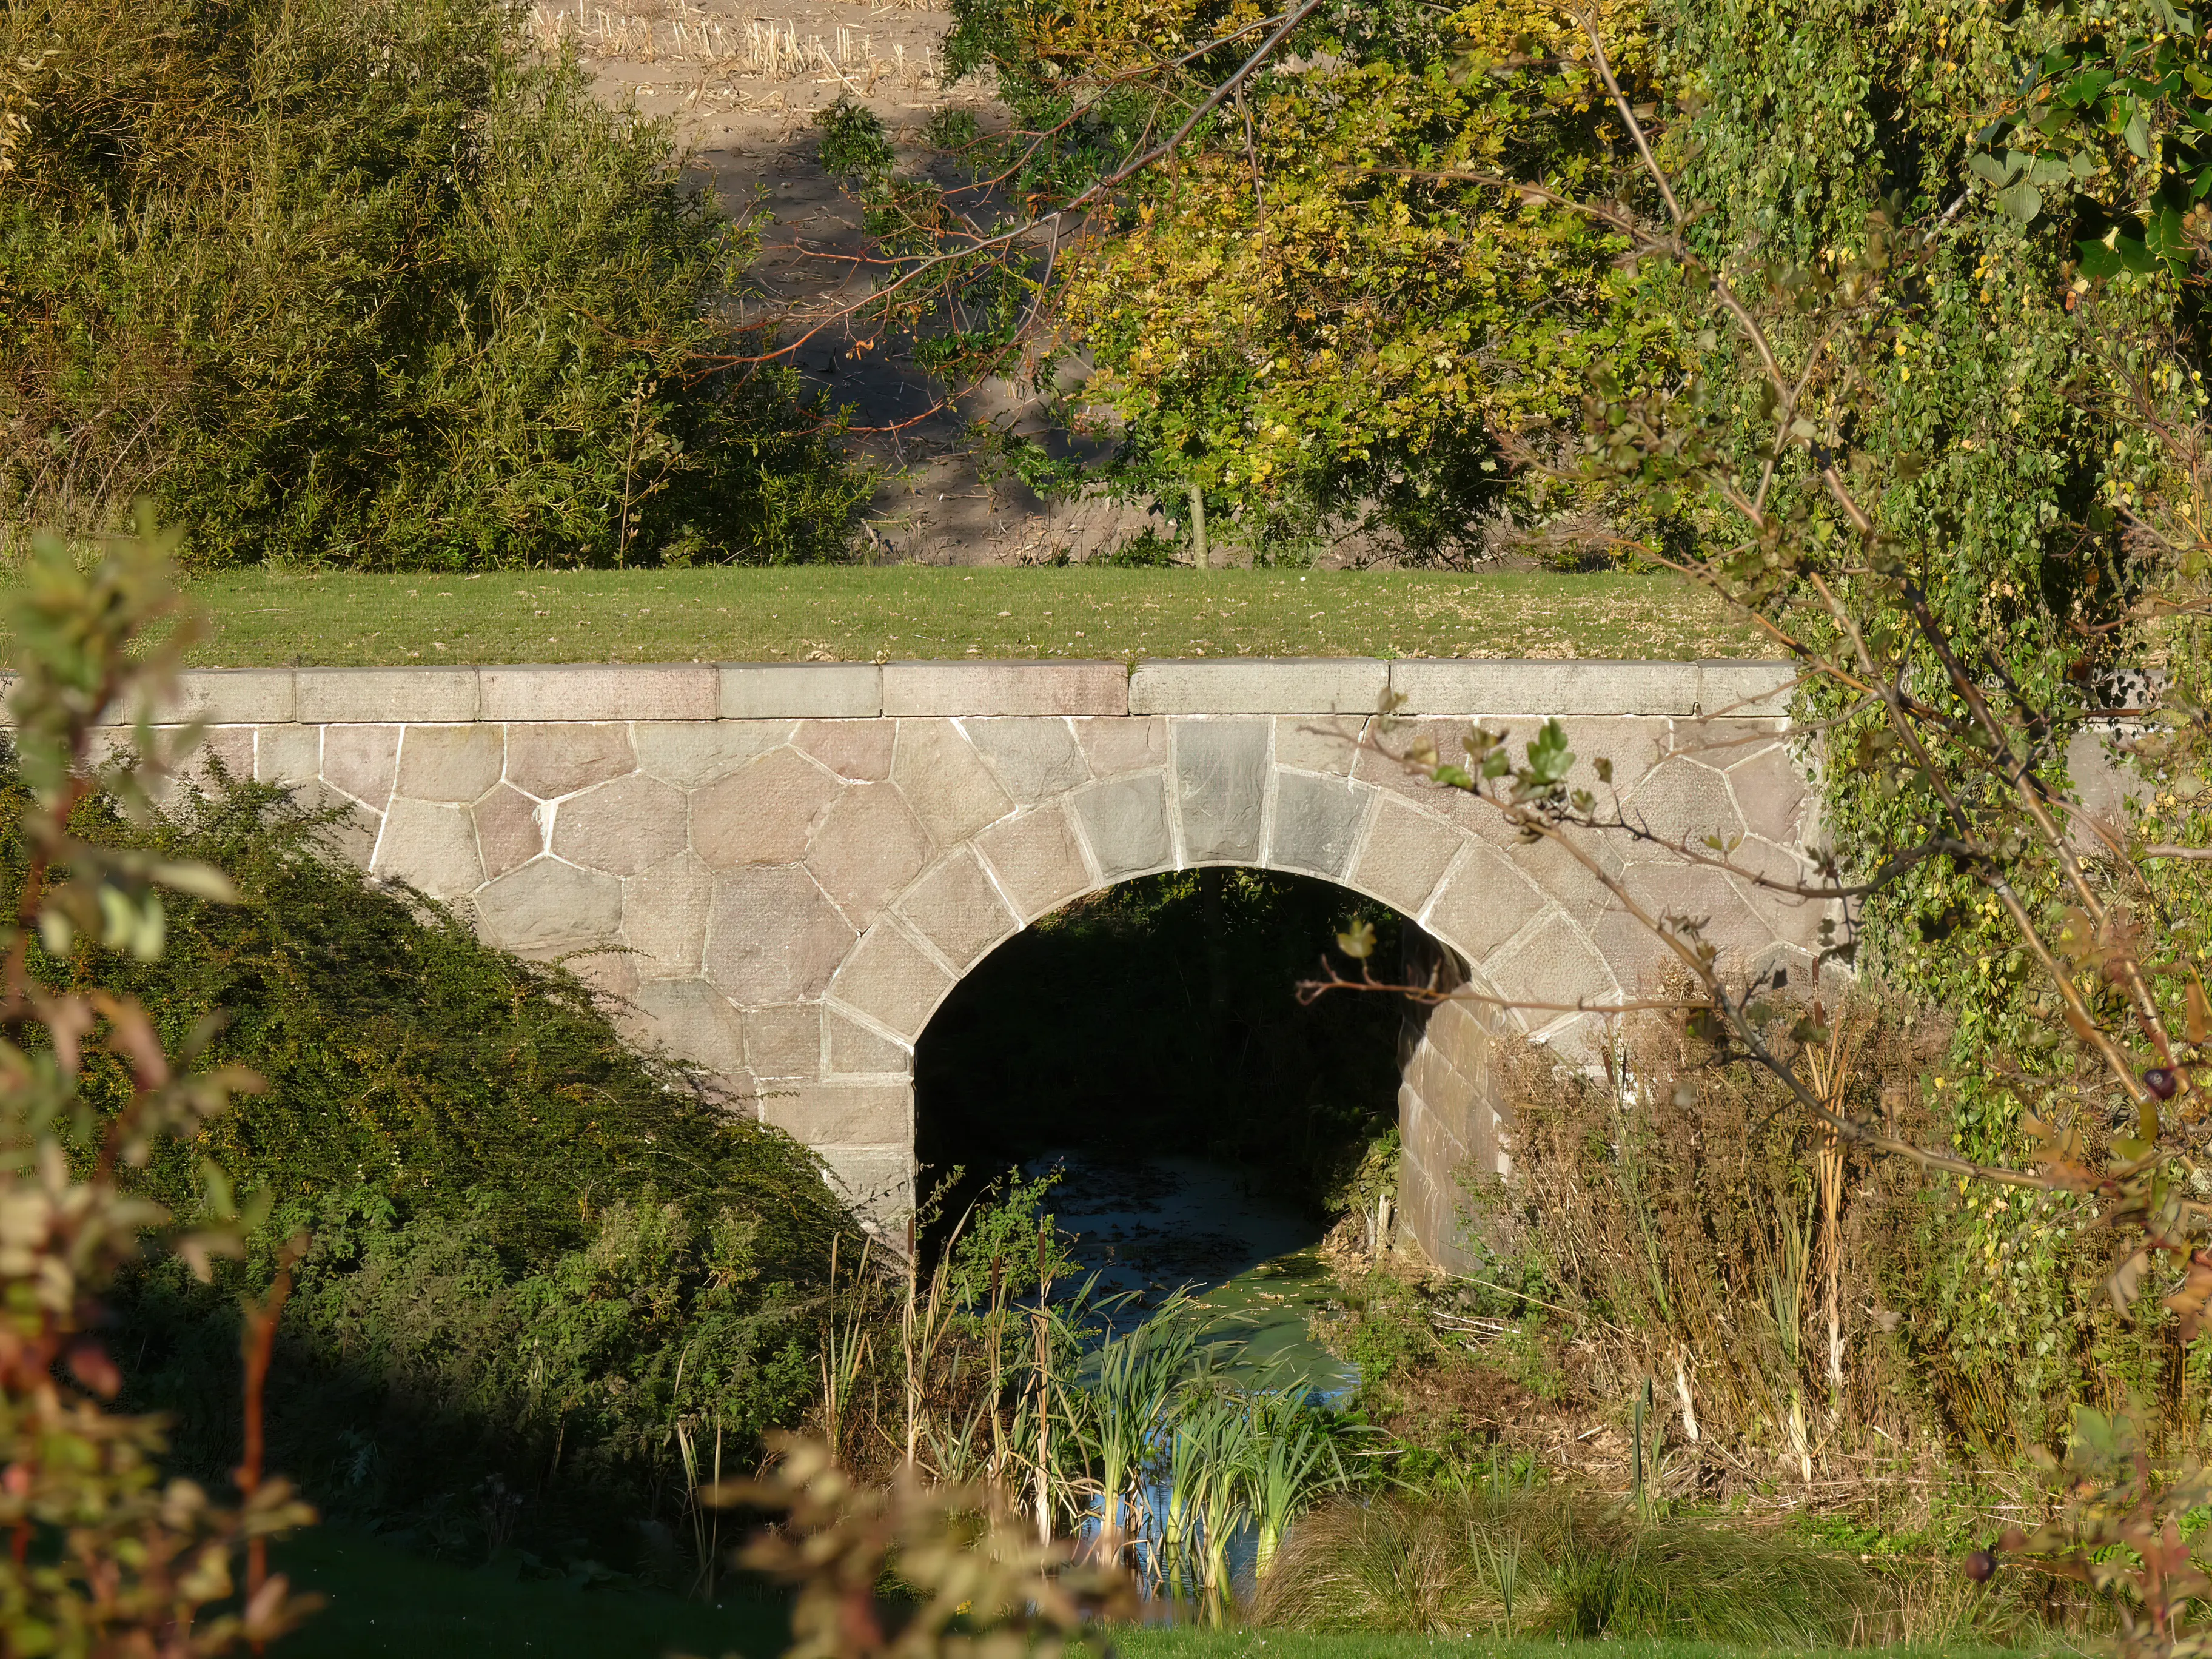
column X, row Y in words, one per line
column 532, row 1252
column 361, row 284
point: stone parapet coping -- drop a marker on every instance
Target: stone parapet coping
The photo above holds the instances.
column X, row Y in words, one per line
column 704, row 691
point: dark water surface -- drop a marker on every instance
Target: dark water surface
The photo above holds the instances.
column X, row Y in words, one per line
column 1151, row 1225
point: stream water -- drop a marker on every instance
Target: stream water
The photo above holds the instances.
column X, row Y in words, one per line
column 1151, row 1225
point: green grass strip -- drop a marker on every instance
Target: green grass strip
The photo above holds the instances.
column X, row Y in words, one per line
column 1169, row 1641
column 263, row 619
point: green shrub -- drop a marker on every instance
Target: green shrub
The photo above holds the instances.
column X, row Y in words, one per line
column 357, row 282
column 853, row 143
column 533, row 1250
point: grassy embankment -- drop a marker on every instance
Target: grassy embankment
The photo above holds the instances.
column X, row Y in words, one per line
column 849, row 614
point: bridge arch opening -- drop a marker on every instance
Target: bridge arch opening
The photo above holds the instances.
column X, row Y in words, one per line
column 1145, row 1042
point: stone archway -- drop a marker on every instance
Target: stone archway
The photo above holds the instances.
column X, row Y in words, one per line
column 781, row 872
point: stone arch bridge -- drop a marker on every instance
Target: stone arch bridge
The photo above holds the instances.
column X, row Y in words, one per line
column 783, row 870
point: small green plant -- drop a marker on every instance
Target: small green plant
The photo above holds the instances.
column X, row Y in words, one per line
column 854, row 145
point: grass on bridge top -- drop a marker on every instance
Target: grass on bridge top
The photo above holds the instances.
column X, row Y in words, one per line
column 859, row 614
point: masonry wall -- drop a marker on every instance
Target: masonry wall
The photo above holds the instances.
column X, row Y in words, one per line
column 780, row 871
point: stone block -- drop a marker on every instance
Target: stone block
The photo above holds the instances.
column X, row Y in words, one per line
column 550, row 760
column 599, row 691
column 1554, row 967
column 876, row 1182
column 1038, row 860
column 1260, row 685
column 1405, row 854
column 1708, row 897
column 607, row 971
column 510, row 830
column 622, row 826
column 764, row 813
column 430, row 846
column 961, row 688
column 694, row 1021
column 772, row 937
column 1117, row 743
column 1745, row 688
column 799, row 691
column 1680, row 801
column 1319, row 742
column 352, row 835
column 1771, row 795
column 860, row 749
column 1465, row 686
column 892, row 980
column 1485, row 901
column 956, row 909
column 362, row 761
column 384, row 696
column 1317, row 823
column 1221, row 787
column 450, row 762
column 842, row 1113
column 2103, row 784
column 1125, row 821
column 229, row 696
column 288, row 754
column 946, row 782
column 1565, row 878
column 856, row 1050
column 229, row 746
column 665, row 916
column 1031, row 758
column 691, row 754
column 548, row 906
column 784, row 1041
column 868, row 848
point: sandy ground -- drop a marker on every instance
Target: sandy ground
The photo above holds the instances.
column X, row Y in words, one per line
column 742, row 81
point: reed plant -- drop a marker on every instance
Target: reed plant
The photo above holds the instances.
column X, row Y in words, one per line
column 1567, row 1564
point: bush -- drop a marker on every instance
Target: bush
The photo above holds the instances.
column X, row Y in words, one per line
column 354, row 282
column 533, row 1250
column 853, row 143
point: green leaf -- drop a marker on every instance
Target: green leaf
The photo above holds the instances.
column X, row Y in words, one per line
column 2050, row 170
column 2022, row 201
column 1989, row 168
column 2137, row 136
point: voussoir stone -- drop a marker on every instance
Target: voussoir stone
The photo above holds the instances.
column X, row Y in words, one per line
column 1485, row 901
column 764, row 813
column 431, row 846
column 1556, row 964
column 1038, row 860
column 691, row 754
column 946, row 782
column 772, row 935
column 548, row 906
column 855, row 1050
column 550, row 760
column 1317, row 823
column 1113, row 744
column 1221, row 787
column 665, row 914
column 869, row 846
column 1404, row 856
column 1125, row 821
column 693, row 1020
column 892, row 980
column 956, row 909
column 451, row 762
column 1033, row 758
column 860, row 749
column 621, row 827
column 1318, row 743
column 839, row 1114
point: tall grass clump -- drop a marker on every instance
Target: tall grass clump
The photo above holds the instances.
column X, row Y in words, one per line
column 363, row 283
column 1552, row 1561
column 538, row 1263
